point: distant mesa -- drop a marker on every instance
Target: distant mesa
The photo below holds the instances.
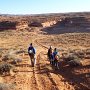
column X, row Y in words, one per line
column 51, row 23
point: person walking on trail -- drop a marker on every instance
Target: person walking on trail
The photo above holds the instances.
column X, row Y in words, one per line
column 32, row 52
column 55, row 58
column 50, row 56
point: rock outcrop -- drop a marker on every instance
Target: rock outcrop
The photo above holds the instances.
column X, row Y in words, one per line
column 4, row 25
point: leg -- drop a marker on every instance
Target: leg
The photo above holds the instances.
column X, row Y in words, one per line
column 57, row 65
column 32, row 62
column 34, row 59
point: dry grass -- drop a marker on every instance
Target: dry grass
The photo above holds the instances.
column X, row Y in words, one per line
column 4, row 86
column 5, row 68
column 68, row 41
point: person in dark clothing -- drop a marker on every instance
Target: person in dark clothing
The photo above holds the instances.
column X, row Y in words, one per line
column 50, row 56
column 55, row 58
column 31, row 48
column 32, row 52
column 49, row 52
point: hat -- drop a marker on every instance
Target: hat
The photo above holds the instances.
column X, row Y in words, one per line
column 50, row 46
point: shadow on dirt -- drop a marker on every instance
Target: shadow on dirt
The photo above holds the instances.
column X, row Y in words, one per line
column 61, row 30
column 23, row 65
column 75, row 76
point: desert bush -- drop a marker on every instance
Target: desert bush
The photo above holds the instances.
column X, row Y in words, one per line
column 69, row 57
column 71, row 51
column 4, row 86
column 87, row 54
column 7, row 57
column 87, row 57
column 72, row 59
column 1, row 52
column 0, row 55
column 16, row 61
column 74, row 63
column 87, row 51
column 11, row 58
column 80, row 54
column 20, row 51
column 5, row 68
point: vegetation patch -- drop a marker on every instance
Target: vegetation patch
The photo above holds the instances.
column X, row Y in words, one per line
column 5, row 68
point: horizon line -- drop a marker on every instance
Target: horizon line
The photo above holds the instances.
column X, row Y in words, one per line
column 45, row 13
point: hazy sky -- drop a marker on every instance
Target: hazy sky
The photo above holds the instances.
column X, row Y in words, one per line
column 43, row 6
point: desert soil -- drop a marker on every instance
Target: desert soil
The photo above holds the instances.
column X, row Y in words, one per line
column 43, row 76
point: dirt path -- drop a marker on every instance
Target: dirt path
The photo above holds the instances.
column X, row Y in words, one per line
column 55, row 80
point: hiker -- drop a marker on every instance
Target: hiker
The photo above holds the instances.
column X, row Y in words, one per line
column 50, row 54
column 56, row 57
column 32, row 52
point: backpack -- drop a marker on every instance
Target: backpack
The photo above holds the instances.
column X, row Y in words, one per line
column 30, row 51
column 55, row 55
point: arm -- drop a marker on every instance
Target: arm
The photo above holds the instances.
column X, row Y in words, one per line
column 34, row 51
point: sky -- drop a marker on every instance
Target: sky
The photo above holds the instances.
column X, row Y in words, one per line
column 43, row 6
